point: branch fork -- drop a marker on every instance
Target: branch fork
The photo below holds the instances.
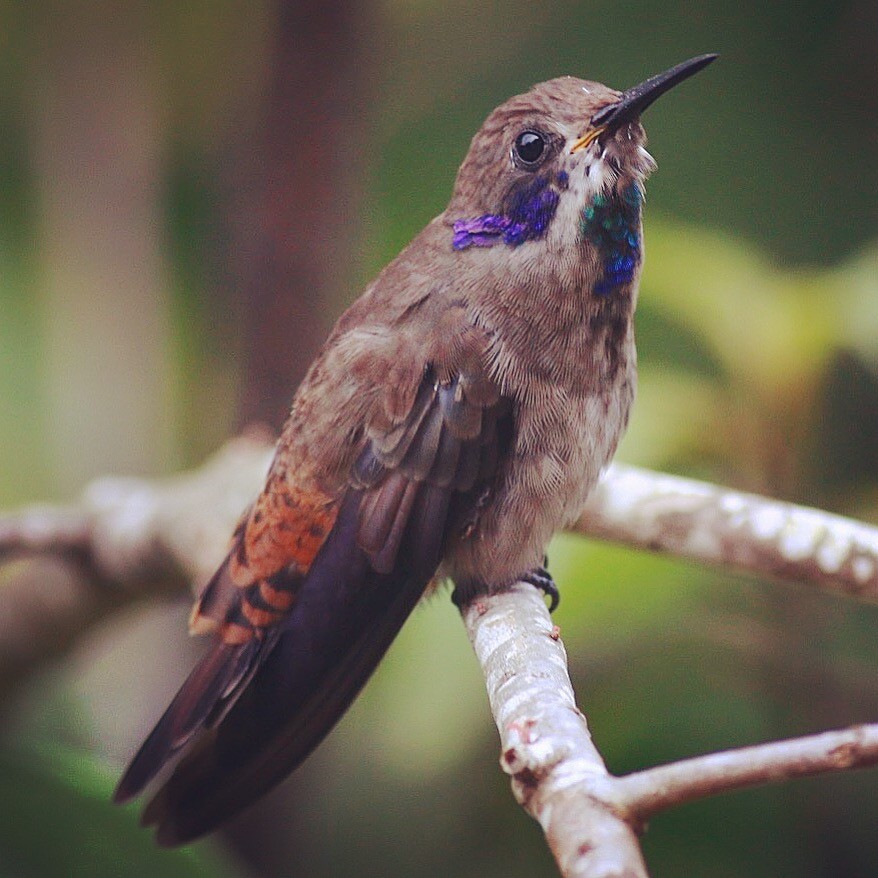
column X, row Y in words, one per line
column 128, row 538
column 591, row 818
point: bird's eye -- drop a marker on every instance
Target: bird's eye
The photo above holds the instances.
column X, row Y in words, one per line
column 529, row 149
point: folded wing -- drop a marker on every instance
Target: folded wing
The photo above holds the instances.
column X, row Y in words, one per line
column 253, row 710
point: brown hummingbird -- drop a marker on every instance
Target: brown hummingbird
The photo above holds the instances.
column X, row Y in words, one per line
column 459, row 413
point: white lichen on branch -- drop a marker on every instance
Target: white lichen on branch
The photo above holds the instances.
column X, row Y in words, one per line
column 557, row 774
column 126, row 538
column 703, row 522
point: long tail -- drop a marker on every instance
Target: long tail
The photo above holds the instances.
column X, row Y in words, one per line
column 222, row 670
column 344, row 619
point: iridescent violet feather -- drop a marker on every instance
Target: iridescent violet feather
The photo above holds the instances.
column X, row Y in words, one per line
column 530, row 211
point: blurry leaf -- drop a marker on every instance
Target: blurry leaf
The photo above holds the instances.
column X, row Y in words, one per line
column 858, row 303
column 613, row 591
column 847, row 453
column 418, row 710
column 663, row 340
column 768, row 328
column 56, row 820
column 673, row 418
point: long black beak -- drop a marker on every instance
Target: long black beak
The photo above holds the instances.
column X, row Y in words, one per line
column 634, row 101
column 637, row 99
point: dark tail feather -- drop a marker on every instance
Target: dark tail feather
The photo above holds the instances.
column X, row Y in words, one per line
column 218, row 672
column 345, row 618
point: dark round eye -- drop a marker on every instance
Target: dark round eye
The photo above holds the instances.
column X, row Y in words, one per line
column 529, row 148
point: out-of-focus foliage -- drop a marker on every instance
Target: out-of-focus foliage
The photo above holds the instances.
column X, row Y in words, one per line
column 54, row 820
column 757, row 334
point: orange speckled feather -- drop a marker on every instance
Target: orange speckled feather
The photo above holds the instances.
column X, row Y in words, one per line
column 285, row 528
column 279, row 537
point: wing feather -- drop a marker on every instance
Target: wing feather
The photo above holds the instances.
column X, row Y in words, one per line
column 264, row 707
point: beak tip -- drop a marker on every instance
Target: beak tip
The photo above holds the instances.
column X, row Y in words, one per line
column 699, row 62
column 635, row 100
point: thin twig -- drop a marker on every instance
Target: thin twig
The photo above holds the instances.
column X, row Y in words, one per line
column 645, row 793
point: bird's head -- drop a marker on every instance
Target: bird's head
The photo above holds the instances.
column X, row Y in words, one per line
column 562, row 164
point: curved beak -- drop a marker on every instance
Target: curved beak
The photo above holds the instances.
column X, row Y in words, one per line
column 635, row 100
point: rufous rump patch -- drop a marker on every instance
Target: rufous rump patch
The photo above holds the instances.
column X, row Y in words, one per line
column 235, row 634
column 200, row 624
column 258, row 617
column 286, row 528
column 276, row 598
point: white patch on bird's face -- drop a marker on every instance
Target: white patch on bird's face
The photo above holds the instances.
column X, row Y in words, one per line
column 564, row 230
column 588, row 175
column 647, row 162
column 596, row 170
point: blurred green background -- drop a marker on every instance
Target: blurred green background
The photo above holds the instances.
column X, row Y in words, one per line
column 189, row 196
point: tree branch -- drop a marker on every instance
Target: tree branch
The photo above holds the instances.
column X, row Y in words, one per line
column 645, row 793
column 557, row 774
column 703, row 522
column 589, row 816
column 132, row 529
column 128, row 538
column 125, row 540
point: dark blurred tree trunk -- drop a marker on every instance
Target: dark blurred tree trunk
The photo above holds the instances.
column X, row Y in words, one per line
column 294, row 244
column 306, row 190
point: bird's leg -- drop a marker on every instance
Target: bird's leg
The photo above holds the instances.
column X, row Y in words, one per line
column 542, row 579
column 465, row 592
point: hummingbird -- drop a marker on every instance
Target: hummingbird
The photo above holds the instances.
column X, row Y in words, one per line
column 459, row 413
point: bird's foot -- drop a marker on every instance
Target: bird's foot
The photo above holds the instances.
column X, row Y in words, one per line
column 542, row 579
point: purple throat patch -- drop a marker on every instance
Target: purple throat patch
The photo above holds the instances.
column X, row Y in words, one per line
column 528, row 214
